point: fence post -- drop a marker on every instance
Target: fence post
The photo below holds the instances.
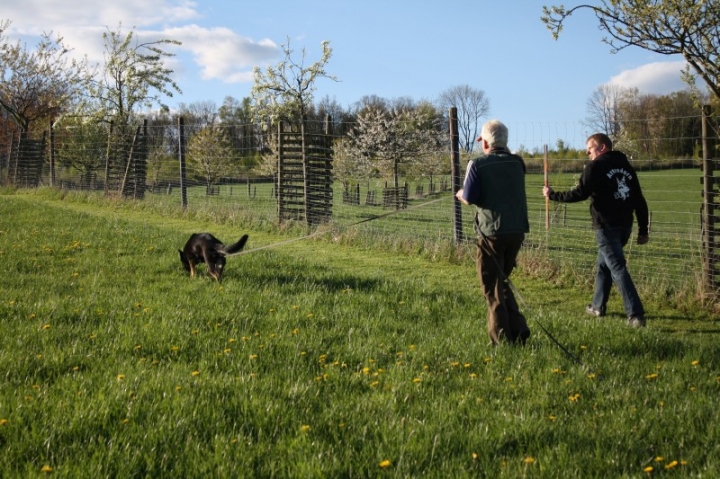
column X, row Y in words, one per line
column 52, row 154
column 708, row 233
column 181, row 155
column 456, row 176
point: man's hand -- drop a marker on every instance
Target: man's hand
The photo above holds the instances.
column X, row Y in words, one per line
column 547, row 191
column 643, row 239
column 459, row 196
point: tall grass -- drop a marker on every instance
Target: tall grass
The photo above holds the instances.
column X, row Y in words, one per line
column 318, row 359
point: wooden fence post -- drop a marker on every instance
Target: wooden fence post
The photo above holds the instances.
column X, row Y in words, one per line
column 456, row 176
column 181, row 155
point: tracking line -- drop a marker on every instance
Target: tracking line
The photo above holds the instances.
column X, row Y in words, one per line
column 319, row 233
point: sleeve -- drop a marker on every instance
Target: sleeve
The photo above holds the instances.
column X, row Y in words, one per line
column 472, row 191
column 581, row 192
column 641, row 211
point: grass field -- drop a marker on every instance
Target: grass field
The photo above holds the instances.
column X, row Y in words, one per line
column 317, row 359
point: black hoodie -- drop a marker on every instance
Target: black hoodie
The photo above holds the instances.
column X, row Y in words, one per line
column 614, row 191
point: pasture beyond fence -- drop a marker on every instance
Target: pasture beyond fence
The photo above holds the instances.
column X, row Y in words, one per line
column 681, row 194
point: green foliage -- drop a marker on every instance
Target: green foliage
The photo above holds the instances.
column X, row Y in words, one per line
column 668, row 27
column 319, row 360
column 38, row 84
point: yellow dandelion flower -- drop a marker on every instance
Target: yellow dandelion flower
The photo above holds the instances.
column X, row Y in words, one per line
column 583, row 347
column 296, row 331
column 467, row 365
column 454, row 364
column 649, row 469
column 195, row 332
column 120, row 377
column 552, row 418
column 529, row 460
column 417, row 380
column 46, row 468
column 473, row 376
column 46, row 326
column 272, row 310
column 125, row 421
column 366, row 370
column 401, row 302
column 374, row 384
column 696, row 363
column 385, row 464
column 474, row 456
column 3, row 422
column 309, row 315
column 137, row 347
column 659, row 459
column 175, row 348
column 178, row 388
column 671, row 464
column 231, row 340
column 253, row 356
column 487, row 360
column 652, row 376
column 227, row 350
column 195, row 373
column 412, row 347
column 591, row 376
column 304, row 428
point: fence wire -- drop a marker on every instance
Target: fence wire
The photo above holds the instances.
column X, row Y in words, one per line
column 224, row 176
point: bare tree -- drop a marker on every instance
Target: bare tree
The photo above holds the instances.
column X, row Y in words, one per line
column 472, row 105
column 603, row 109
column 668, row 27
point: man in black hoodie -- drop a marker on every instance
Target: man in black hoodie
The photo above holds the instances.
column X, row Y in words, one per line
column 615, row 195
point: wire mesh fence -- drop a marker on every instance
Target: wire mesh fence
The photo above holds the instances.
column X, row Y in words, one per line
column 232, row 171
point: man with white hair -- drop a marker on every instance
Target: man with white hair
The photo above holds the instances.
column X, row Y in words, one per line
column 495, row 184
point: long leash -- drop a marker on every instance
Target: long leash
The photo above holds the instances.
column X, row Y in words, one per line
column 527, row 311
column 319, row 233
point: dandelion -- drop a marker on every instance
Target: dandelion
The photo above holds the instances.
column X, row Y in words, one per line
column 374, row 384
column 696, row 363
column 467, row 365
column 366, row 370
column 552, row 418
column 649, row 469
column 487, row 360
column 417, row 380
column 125, row 421
column 296, row 331
column 591, row 376
column 652, row 376
column 574, row 397
column 305, row 428
column 253, row 357
column 671, row 464
column 195, row 373
column 385, row 464
column 272, row 310
column 46, row 326
column 231, row 340
column 46, row 469
column 3, row 422
column 309, row 315
column 473, row 376
column 455, row 364
column 659, row 459
column 529, row 460
column 120, row 377
column 474, row 456
column 137, row 347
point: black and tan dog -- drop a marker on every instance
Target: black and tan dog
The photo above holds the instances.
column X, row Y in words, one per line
column 205, row 248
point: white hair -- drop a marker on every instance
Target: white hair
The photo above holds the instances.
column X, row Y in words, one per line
column 495, row 133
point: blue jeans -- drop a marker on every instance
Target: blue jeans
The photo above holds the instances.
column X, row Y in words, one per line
column 612, row 268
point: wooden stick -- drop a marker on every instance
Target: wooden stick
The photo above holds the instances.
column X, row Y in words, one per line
column 547, row 200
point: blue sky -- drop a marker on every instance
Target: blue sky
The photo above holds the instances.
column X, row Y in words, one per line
column 392, row 48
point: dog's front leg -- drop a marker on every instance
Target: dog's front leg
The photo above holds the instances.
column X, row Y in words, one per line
column 192, row 269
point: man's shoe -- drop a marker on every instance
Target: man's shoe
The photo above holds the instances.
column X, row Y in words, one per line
column 589, row 309
column 637, row 322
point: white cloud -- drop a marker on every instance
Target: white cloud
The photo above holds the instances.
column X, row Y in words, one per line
column 219, row 53
column 223, row 54
column 659, row 78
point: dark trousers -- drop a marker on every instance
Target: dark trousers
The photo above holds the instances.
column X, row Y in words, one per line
column 496, row 258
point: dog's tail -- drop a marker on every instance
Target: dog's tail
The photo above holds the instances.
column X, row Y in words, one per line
column 236, row 247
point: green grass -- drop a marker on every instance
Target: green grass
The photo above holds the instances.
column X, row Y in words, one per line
column 318, row 359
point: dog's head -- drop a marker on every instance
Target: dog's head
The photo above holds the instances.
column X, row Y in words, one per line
column 216, row 267
column 184, row 260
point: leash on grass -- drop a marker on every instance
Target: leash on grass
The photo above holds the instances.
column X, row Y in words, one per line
column 319, row 233
column 525, row 307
